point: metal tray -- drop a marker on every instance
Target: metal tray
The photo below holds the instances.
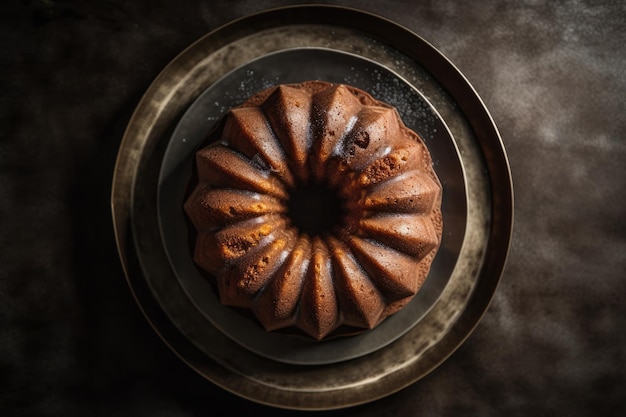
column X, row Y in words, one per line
column 314, row 377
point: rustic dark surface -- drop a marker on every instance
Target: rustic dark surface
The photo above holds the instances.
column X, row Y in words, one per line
column 72, row 341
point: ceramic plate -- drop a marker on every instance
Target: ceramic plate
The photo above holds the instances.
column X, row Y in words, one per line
column 284, row 67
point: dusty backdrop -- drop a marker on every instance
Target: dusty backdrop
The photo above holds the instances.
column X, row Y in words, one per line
column 72, row 341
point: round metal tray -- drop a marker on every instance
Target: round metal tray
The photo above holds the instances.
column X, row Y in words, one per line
column 474, row 267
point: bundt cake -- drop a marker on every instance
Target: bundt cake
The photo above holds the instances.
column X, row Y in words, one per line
column 315, row 208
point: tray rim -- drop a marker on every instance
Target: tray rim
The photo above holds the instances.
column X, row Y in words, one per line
column 439, row 67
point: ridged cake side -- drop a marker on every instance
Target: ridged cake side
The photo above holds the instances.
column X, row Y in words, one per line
column 368, row 265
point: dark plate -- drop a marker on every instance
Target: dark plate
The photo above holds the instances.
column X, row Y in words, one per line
column 479, row 262
column 280, row 68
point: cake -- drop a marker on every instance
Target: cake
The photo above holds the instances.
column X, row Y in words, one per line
column 315, row 209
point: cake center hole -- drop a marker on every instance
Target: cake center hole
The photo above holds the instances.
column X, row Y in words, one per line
column 314, row 209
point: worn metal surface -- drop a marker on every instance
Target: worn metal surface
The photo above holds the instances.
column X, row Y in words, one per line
column 480, row 259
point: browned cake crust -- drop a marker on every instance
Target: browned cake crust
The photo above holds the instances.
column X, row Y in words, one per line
column 345, row 274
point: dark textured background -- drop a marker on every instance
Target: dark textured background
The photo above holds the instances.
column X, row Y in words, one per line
column 72, row 341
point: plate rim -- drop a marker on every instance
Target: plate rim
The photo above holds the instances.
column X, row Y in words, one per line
column 265, row 345
column 439, row 67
